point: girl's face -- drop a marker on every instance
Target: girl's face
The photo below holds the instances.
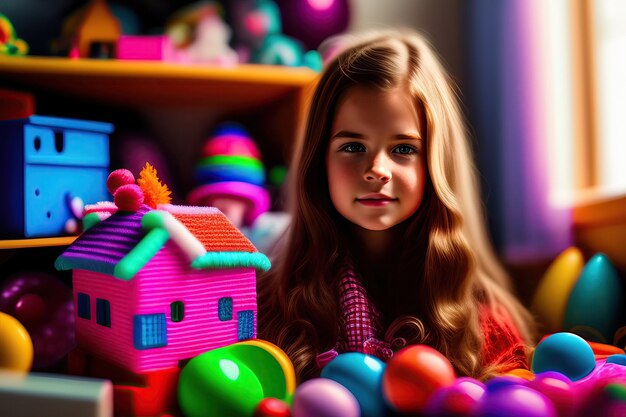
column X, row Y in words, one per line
column 375, row 158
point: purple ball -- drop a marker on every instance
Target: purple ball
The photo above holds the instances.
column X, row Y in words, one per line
column 322, row 397
column 44, row 305
column 515, row 401
column 459, row 399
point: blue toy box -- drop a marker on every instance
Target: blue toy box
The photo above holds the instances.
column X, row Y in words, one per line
column 44, row 163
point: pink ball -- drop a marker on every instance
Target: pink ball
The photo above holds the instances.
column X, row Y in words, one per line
column 118, row 178
column 558, row 388
column 129, row 197
column 322, row 397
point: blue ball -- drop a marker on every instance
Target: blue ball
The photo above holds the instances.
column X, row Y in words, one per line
column 566, row 353
column 362, row 375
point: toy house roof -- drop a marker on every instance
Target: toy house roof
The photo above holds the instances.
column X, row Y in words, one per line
column 123, row 244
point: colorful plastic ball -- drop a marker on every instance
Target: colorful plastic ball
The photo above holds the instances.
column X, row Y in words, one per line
column 322, row 397
column 459, row 399
column 515, row 401
column 272, row 407
column 413, row 375
column 596, row 301
column 566, row 353
column 617, row 359
column 216, row 384
column 362, row 375
column 16, row 348
column 559, row 389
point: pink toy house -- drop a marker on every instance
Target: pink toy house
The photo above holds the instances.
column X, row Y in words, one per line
column 156, row 287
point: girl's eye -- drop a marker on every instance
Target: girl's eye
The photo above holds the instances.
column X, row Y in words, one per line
column 352, row 147
column 405, row 149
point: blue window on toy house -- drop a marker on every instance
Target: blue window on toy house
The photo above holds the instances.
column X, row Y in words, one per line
column 103, row 312
column 245, row 325
column 83, row 306
column 225, row 308
column 149, row 331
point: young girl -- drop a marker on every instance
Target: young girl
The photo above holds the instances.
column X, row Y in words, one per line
column 387, row 245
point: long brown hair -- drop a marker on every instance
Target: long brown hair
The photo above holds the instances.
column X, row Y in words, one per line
column 447, row 265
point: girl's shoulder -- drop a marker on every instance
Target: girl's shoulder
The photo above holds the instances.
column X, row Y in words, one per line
column 503, row 345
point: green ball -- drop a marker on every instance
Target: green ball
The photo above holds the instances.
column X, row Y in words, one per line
column 217, row 384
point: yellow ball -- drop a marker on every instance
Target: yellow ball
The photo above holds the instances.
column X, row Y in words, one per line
column 550, row 299
column 16, row 347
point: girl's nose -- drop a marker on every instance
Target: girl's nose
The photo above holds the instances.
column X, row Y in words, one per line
column 378, row 171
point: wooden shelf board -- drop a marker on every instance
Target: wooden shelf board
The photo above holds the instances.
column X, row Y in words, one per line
column 37, row 242
column 156, row 83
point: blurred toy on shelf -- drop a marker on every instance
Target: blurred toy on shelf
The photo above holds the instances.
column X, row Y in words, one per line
column 198, row 34
column 132, row 151
column 259, row 39
column 46, row 163
column 10, row 44
column 231, row 177
column 313, row 21
column 90, row 32
column 16, row 104
column 44, row 306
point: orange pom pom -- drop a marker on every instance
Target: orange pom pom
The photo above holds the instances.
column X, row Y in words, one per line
column 154, row 191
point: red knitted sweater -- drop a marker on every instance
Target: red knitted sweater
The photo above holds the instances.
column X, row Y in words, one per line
column 361, row 330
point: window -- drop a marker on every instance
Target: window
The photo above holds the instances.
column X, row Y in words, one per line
column 177, row 311
column 149, row 331
column 245, row 325
column 103, row 312
column 225, row 308
column 609, row 45
column 83, row 306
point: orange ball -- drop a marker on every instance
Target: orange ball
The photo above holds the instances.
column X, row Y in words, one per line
column 413, row 375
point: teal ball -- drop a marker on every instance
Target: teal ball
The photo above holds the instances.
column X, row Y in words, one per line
column 362, row 375
column 566, row 353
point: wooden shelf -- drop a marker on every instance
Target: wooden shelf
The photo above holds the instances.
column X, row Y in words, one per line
column 37, row 243
column 142, row 83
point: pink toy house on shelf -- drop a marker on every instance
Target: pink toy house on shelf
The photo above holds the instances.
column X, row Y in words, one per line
column 156, row 287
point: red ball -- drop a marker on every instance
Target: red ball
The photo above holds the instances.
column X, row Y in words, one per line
column 128, row 197
column 30, row 308
column 413, row 375
column 118, row 178
column 272, row 407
